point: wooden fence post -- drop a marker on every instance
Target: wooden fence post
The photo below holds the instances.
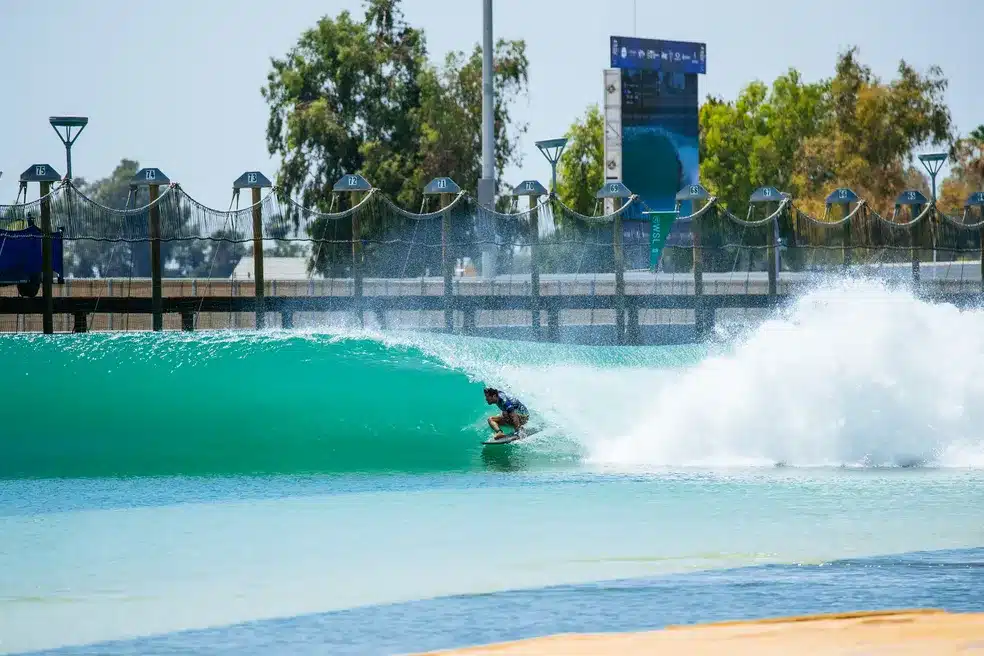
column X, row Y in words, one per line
column 446, row 189
column 47, row 272
column 697, row 195
column 152, row 179
column 977, row 200
column 45, row 175
column 355, row 185
column 844, row 197
column 533, row 190
column 156, row 266
column 255, row 181
column 770, row 197
column 915, row 201
column 617, row 190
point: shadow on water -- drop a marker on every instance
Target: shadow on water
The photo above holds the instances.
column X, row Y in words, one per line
column 504, row 458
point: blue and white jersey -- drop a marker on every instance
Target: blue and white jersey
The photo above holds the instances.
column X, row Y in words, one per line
column 507, row 403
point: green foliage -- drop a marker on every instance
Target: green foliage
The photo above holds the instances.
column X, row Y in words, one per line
column 875, row 128
column 851, row 130
column 968, row 156
column 347, row 93
column 966, row 172
column 754, row 141
column 580, row 172
column 114, row 190
column 450, row 117
column 361, row 97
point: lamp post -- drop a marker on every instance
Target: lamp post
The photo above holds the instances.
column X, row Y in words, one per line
column 552, row 149
column 486, row 185
column 933, row 162
column 68, row 122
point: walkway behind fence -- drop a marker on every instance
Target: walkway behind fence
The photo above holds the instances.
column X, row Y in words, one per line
column 456, row 265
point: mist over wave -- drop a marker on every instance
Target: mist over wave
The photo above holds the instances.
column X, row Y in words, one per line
column 854, row 373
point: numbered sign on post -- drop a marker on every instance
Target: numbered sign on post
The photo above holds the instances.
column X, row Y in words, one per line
column 613, row 189
column 40, row 173
column 529, row 188
column 150, row 176
column 351, row 182
column 841, row 196
column 693, row 192
column 251, row 180
column 911, row 197
column 441, row 186
column 766, row 195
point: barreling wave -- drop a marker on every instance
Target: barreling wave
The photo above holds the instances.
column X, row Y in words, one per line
column 851, row 374
column 141, row 404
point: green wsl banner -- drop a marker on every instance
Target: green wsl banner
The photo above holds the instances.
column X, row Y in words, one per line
column 660, row 225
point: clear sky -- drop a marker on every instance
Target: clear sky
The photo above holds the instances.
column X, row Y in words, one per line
column 177, row 84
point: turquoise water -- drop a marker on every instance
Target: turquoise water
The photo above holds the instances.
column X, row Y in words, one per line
column 220, row 493
column 228, row 403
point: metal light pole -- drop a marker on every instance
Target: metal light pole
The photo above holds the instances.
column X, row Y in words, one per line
column 486, row 186
column 933, row 162
column 68, row 122
column 552, row 149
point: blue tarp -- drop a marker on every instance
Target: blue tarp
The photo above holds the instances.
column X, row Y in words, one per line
column 20, row 255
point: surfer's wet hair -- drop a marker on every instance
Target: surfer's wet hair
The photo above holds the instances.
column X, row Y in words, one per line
column 491, row 390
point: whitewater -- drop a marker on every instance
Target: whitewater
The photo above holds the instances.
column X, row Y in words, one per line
column 854, row 373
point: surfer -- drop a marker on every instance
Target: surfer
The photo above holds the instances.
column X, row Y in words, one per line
column 514, row 413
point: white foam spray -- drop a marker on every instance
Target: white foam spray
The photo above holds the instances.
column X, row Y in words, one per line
column 854, row 373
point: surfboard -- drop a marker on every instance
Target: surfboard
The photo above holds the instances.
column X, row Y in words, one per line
column 512, row 437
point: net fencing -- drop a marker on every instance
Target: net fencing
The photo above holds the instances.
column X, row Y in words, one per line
column 545, row 267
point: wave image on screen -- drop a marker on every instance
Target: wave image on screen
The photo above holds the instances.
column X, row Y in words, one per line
column 659, row 151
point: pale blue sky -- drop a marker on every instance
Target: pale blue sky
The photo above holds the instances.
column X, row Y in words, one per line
column 177, row 84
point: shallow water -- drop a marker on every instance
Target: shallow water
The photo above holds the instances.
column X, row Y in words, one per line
column 950, row 580
column 187, row 554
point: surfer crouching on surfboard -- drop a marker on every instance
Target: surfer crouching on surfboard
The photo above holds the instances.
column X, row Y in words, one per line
column 514, row 413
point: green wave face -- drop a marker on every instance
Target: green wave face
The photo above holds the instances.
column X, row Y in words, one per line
column 225, row 403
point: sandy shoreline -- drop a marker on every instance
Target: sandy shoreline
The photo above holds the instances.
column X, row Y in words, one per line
column 899, row 632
